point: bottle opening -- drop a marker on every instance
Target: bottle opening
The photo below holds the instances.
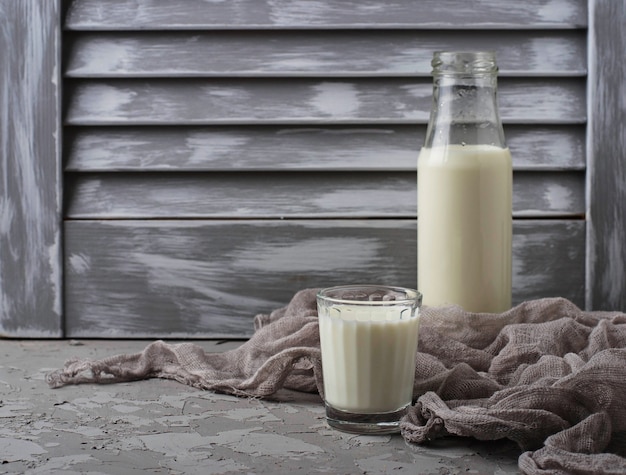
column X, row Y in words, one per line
column 464, row 63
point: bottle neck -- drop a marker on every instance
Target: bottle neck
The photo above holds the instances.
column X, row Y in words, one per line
column 464, row 110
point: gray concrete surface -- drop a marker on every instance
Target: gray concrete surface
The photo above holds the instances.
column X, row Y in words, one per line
column 159, row 426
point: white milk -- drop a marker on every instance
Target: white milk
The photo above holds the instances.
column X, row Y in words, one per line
column 464, row 223
column 368, row 358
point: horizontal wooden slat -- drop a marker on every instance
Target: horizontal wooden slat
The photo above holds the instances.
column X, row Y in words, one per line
column 278, row 195
column 304, row 101
column 270, row 148
column 315, row 54
column 259, row 14
column 209, row 278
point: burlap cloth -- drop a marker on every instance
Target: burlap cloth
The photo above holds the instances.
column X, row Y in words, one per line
column 545, row 374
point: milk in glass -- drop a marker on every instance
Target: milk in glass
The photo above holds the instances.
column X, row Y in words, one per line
column 368, row 358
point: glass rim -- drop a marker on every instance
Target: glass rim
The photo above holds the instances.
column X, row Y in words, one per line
column 411, row 296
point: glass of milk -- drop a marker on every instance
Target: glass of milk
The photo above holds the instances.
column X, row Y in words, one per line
column 368, row 337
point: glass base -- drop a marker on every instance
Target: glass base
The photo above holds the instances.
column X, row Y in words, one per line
column 358, row 423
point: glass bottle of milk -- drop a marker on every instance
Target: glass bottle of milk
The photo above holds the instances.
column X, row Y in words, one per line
column 464, row 189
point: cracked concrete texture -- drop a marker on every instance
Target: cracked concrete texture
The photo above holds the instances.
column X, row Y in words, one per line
column 160, row 426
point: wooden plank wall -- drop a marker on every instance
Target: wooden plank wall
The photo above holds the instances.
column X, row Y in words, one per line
column 606, row 237
column 30, row 169
column 220, row 156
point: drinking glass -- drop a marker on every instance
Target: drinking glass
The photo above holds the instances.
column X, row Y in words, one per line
column 368, row 337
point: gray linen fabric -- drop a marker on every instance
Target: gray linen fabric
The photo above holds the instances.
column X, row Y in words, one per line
column 545, row 374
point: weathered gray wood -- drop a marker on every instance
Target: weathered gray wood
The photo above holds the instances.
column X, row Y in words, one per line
column 313, row 53
column 276, row 148
column 150, row 278
column 549, row 260
column 310, row 194
column 333, row 115
column 140, row 279
column 294, row 14
column 606, row 245
column 304, row 101
column 30, row 203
